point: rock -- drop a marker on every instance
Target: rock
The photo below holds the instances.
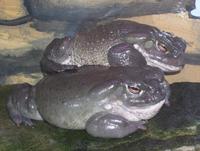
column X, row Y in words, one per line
column 10, row 9
column 185, row 148
column 32, row 78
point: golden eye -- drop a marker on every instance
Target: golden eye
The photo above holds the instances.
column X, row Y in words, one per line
column 162, row 47
column 134, row 90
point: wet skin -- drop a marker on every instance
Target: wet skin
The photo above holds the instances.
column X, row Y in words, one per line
column 108, row 102
column 118, row 43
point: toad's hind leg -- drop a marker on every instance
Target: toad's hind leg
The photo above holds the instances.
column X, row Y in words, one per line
column 21, row 105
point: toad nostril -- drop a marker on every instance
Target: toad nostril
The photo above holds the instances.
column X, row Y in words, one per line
column 180, row 43
column 176, row 53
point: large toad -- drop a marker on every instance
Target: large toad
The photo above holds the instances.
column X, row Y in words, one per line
column 118, row 43
column 106, row 101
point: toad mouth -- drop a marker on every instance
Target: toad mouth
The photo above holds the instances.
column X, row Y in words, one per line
column 153, row 62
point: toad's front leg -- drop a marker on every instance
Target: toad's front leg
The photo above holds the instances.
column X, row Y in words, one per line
column 109, row 125
column 125, row 54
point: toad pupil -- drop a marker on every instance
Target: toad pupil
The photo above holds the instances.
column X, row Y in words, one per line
column 134, row 90
column 162, row 47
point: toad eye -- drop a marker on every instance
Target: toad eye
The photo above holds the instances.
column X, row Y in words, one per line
column 134, row 90
column 162, row 47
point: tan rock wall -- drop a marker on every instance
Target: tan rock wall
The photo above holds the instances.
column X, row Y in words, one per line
column 10, row 9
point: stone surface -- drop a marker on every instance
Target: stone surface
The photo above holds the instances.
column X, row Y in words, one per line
column 10, row 9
